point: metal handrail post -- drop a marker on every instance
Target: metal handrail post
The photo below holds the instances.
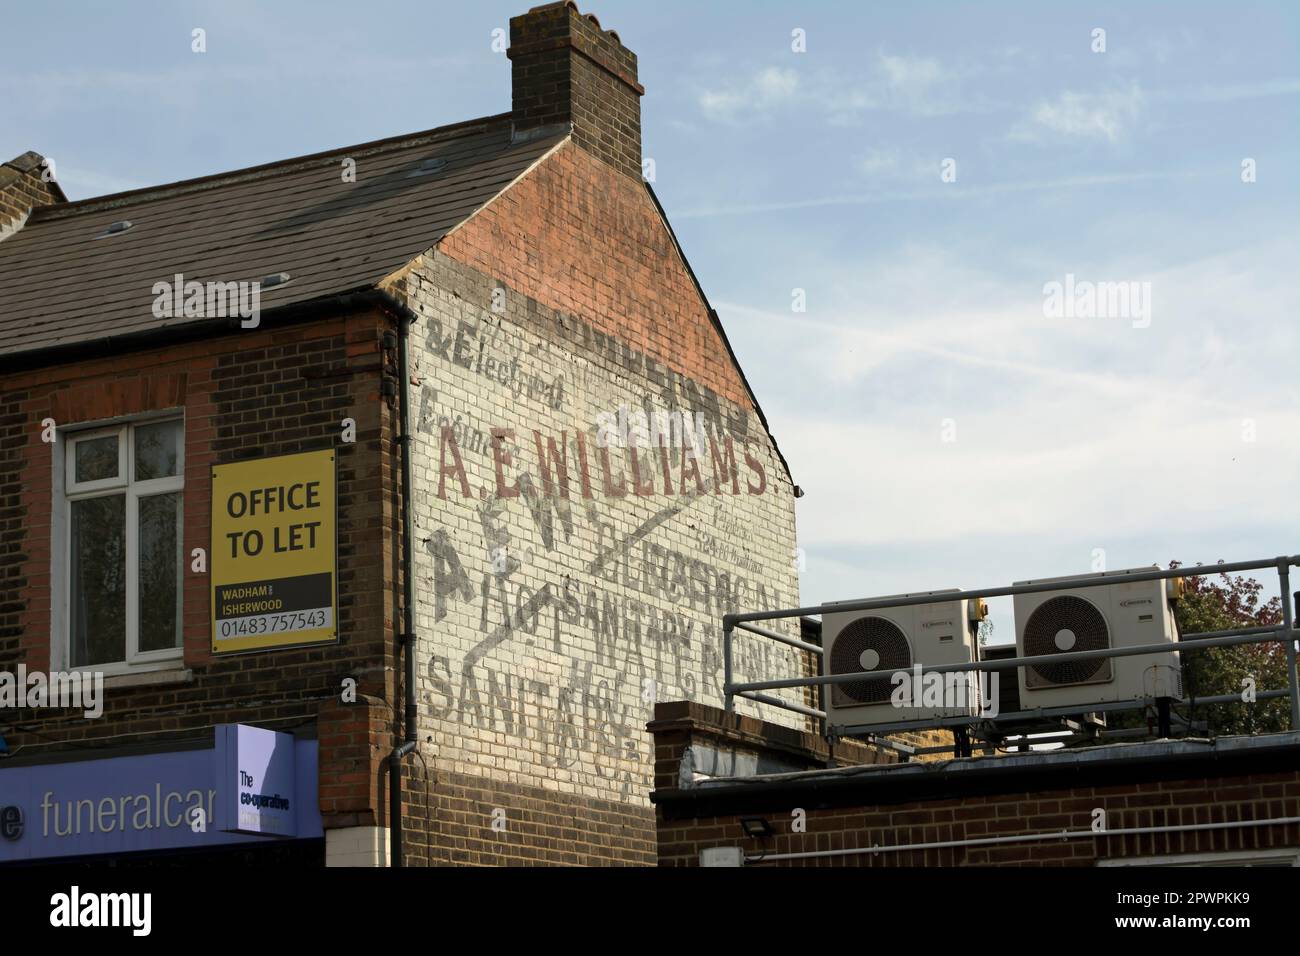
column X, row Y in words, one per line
column 729, row 702
column 823, row 694
column 1288, row 622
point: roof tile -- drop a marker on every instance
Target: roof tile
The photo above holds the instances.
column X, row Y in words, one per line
column 60, row 285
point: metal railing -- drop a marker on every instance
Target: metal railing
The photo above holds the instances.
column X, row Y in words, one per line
column 1283, row 633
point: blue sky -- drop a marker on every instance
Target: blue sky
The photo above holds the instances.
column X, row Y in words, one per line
column 947, row 431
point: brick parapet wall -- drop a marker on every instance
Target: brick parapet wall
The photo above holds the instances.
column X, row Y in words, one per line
column 678, row 725
column 948, row 808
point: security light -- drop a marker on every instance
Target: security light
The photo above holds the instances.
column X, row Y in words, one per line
column 756, row 827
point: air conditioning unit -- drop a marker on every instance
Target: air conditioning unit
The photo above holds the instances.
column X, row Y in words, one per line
column 891, row 641
column 1092, row 618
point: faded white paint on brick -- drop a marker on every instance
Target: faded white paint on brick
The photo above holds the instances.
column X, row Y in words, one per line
column 550, row 625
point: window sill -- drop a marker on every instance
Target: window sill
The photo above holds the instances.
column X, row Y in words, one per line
column 173, row 675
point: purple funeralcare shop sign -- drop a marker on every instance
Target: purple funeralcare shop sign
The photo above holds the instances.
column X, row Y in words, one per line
column 167, row 801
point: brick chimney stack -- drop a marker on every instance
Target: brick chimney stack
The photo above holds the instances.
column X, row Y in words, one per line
column 567, row 70
column 23, row 187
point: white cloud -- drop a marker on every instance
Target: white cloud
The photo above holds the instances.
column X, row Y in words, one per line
column 1065, row 430
column 910, row 74
column 908, row 84
column 769, row 87
column 1107, row 116
column 1059, row 468
column 912, row 81
column 879, row 162
column 775, row 84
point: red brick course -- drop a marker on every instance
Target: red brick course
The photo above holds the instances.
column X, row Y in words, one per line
column 580, row 237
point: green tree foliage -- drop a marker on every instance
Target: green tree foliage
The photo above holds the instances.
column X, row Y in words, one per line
column 1219, row 602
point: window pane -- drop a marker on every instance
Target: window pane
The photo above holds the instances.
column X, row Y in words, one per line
column 157, row 450
column 97, row 458
column 160, row 572
column 98, row 593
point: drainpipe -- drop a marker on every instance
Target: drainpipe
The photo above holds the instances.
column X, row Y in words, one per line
column 406, row 639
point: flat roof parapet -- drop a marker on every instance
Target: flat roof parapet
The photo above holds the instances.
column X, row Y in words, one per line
column 715, row 763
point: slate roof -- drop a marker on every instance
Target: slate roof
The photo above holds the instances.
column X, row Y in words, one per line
column 62, row 286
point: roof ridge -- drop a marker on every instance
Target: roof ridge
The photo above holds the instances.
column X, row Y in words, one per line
column 212, row 180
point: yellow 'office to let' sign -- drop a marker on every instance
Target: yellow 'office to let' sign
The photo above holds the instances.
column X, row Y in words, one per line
column 273, row 555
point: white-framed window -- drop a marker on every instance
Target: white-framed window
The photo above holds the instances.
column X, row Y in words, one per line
column 118, row 507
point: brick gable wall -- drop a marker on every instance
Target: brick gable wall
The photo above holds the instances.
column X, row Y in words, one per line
column 560, row 598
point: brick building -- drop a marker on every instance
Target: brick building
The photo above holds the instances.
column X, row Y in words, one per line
column 733, row 790
column 485, row 344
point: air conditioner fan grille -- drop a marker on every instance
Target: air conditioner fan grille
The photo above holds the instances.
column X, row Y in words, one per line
column 1080, row 626
column 889, row 650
